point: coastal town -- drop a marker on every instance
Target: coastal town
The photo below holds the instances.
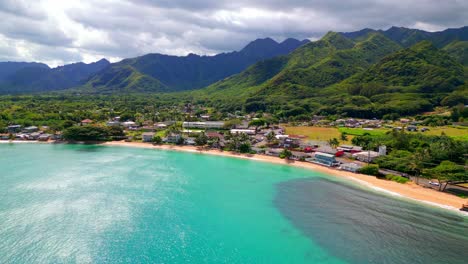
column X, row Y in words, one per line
column 252, row 135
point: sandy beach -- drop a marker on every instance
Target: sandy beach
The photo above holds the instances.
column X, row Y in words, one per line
column 409, row 190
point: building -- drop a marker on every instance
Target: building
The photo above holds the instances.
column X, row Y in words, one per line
column 113, row 123
column 297, row 155
column 86, row 122
column 350, row 148
column 31, row 129
column 14, row 129
column 243, row 131
column 330, row 150
column 323, row 159
column 128, row 124
column 366, row 156
column 382, row 150
column 273, row 152
column 34, row 136
column 44, row 137
column 352, row 167
column 412, row 128
column 204, row 125
column 147, row 136
column 173, row 138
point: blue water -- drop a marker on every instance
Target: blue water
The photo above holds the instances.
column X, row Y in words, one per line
column 95, row 204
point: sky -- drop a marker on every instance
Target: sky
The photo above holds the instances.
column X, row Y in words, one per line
column 58, row 32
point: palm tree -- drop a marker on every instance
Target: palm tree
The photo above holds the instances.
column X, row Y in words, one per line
column 333, row 142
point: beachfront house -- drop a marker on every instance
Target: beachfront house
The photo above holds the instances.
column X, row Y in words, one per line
column 44, row 137
column 173, row 138
column 297, row 155
column 323, row 159
column 275, row 152
column 147, row 136
column 366, row 156
column 35, row 135
column 352, row 167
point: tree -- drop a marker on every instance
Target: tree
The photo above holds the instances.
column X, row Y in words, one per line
column 370, row 170
column 416, row 162
column 334, row 142
column 447, row 172
column 244, row 147
column 270, row 137
column 344, row 136
column 201, row 139
column 257, row 123
column 157, row 140
column 232, row 123
column 285, row 154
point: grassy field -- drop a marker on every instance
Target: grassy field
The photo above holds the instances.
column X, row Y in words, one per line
column 455, row 132
column 316, row 133
column 326, row 133
column 361, row 131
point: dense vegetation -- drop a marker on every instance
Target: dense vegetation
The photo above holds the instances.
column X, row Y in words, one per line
column 418, row 154
column 371, row 76
column 92, row 133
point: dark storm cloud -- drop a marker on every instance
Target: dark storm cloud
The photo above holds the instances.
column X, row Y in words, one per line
column 90, row 29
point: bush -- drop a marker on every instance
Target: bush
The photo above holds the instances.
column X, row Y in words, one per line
column 370, row 170
column 396, row 178
column 285, row 154
column 157, row 140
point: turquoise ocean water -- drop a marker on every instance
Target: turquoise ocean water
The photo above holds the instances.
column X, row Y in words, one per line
column 95, row 204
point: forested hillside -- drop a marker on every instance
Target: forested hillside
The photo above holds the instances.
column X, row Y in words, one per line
column 367, row 76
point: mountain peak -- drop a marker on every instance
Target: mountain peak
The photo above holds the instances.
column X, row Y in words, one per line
column 257, row 44
column 338, row 40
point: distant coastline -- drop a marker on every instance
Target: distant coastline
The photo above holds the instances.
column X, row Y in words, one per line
column 409, row 191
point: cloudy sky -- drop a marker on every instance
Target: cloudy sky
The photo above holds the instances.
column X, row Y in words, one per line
column 63, row 31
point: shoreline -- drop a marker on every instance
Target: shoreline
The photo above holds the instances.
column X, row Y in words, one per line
column 409, row 191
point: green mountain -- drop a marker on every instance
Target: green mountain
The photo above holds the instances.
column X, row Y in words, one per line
column 368, row 76
column 459, row 51
column 307, row 69
column 408, row 37
column 161, row 73
column 35, row 77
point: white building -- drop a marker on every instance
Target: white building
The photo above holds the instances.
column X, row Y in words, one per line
column 147, row 136
column 243, row 131
column 204, row 125
column 366, row 156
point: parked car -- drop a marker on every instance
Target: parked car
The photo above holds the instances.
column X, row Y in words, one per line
column 434, row 183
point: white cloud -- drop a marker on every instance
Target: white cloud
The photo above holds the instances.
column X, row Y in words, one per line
column 58, row 32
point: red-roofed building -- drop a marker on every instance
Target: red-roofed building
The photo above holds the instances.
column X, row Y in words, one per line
column 86, row 122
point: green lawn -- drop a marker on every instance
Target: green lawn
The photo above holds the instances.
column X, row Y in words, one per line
column 361, row 131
